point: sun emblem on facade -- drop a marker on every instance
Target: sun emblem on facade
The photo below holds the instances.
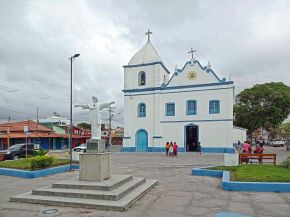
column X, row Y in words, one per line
column 192, row 75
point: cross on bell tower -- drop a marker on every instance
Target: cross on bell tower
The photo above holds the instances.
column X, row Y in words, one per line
column 191, row 51
column 148, row 34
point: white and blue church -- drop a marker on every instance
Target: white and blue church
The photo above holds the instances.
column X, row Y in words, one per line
column 192, row 107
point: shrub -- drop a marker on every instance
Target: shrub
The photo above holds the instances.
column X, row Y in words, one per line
column 40, row 152
column 286, row 163
column 41, row 162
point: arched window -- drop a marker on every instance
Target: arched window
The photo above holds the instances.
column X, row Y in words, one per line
column 142, row 110
column 142, row 78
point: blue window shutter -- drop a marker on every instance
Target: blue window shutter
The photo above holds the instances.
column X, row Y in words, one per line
column 214, row 106
column 191, row 107
column 170, row 109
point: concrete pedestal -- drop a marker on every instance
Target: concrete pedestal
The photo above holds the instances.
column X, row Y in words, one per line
column 95, row 166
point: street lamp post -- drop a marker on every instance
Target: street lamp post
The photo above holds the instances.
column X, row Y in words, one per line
column 71, row 125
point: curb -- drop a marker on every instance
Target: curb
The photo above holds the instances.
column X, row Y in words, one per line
column 38, row 173
column 242, row 186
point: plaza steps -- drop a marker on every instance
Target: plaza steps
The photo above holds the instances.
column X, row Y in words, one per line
column 117, row 193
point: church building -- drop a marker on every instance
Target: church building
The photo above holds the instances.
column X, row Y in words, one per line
column 192, row 107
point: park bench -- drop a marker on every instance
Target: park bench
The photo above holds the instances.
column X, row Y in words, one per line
column 259, row 158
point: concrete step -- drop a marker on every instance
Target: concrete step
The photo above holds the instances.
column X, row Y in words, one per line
column 120, row 205
column 106, row 185
column 115, row 194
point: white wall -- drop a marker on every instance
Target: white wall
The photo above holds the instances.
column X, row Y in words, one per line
column 239, row 134
column 215, row 130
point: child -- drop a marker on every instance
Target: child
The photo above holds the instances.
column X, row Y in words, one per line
column 171, row 149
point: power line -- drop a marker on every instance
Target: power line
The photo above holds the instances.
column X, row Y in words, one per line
column 23, row 113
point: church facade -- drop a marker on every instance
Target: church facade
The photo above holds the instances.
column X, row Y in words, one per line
column 192, row 107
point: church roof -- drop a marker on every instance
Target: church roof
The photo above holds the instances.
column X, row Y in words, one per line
column 147, row 54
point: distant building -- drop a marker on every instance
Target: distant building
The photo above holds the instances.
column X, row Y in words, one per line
column 50, row 136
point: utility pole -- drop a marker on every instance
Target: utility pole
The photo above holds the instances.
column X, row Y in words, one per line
column 37, row 115
column 8, row 131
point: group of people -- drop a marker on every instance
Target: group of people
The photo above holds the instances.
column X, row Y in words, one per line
column 249, row 148
column 171, row 149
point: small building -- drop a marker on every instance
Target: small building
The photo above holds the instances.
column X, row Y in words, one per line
column 117, row 136
column 52, row 137
column 239, row 134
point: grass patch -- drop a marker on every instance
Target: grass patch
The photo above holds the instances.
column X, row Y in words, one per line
column 257, row 173
column 24, row 163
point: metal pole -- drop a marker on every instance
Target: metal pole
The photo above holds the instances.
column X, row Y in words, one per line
column 70, row 132
column 110, row 128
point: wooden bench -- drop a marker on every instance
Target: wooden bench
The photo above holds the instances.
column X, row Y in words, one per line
column 258, row 158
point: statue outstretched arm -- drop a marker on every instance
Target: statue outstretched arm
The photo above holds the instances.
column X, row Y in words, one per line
column 83, row 106
column 106, row 105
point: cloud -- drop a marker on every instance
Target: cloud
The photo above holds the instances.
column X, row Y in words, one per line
column 249, row 40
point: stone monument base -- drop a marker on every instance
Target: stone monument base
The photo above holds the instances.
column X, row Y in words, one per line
column 95, row 166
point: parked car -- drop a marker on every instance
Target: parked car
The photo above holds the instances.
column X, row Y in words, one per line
column 82, row 147
column 277, row 143
column 17, row 151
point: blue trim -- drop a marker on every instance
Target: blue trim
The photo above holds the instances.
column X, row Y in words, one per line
column 141, row 114
column 217, row 149
column 148, row 64
column 157, row 137
column 191, row 112
column 208, row 70
column 150, row 149
column 185, row 91
column 211, row 104
column 37, row 173
column 162, row 149
column 176, row 87
column 242, row 186
column 169, row 113
column 127, row 137
column 128, row 149
column 209, row 120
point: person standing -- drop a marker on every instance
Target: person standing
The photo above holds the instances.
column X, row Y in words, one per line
column 171, row 149
column 246, row 147
column 167, row 146
column 175, row 148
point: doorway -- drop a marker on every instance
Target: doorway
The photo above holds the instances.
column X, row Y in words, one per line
column 141, row 140
column 191, row 138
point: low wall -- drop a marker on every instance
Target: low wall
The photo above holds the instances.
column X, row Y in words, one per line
column 242, row 186
column 37, row 173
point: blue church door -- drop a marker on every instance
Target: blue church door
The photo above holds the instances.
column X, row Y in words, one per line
column 141, row 140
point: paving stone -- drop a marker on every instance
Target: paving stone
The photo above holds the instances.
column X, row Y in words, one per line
column 281, row 210
column 242, row 208
column 176, row 183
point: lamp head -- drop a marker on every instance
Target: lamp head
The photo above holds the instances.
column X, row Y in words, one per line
column 76, row 55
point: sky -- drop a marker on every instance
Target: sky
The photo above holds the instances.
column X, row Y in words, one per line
column 246, row 41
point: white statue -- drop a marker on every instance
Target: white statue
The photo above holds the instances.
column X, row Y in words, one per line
column 95, row 117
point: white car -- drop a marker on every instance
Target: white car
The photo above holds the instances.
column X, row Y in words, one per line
column 82, row 147
column 277, row 142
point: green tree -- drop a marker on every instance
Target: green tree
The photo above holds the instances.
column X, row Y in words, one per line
column 264, row 105
column 84, row 126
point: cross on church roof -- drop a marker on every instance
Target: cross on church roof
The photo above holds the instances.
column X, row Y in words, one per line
column 191, row 51
column 148, row 34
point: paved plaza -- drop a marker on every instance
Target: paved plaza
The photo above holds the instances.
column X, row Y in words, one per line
column 178, row 193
